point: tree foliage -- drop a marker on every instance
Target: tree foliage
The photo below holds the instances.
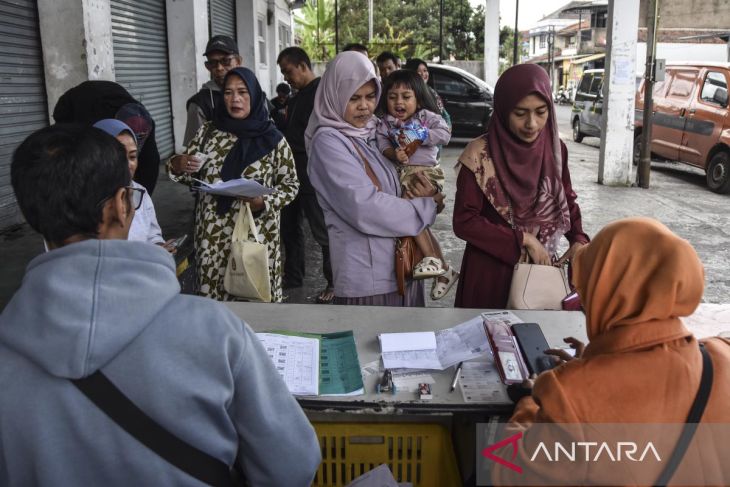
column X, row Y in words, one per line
column 506, row 47
column 316, row 28
column 408, row 27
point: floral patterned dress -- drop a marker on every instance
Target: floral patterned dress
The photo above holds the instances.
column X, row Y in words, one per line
column 213, row 232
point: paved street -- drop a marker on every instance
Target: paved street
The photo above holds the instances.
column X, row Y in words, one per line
column 678, row 197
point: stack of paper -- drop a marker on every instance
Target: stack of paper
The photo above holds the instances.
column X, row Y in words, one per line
column 235, row 187
column 409, row 350
column 296, row 359
column 316, row 364
column 439, row 350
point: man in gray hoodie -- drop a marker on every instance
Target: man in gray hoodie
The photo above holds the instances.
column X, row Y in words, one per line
column 96, row 302
column 221, row 55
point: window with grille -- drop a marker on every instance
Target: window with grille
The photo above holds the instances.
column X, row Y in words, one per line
column 261, row 24
column 284, row 36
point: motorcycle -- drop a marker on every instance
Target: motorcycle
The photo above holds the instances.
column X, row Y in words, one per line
column 562, row 96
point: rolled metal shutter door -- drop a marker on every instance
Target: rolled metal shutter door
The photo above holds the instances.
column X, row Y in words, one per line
column 23, row 106
column 222, row 17
column 139, row 35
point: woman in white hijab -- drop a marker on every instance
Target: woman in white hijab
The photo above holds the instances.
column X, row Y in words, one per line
column 359, row 190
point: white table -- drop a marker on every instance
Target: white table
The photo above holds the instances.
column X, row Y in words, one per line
column 367, row 322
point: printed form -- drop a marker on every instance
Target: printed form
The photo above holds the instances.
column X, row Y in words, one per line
column 235, row 187
column 480, row 382
column 434, row 350
column 409, row 350
column 296, row 359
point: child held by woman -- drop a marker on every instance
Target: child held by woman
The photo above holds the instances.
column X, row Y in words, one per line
column 410, row 134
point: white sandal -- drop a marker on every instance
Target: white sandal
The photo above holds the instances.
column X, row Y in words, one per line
column 441, row 289
column 427, row 268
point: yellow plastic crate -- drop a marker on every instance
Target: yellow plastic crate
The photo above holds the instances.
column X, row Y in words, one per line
column 415, row 452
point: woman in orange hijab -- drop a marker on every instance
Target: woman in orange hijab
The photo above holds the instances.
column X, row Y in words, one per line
column 642, row 365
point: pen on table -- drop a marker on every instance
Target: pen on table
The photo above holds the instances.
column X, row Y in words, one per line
column 456, row 377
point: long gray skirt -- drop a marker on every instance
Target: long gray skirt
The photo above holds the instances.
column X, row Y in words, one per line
column 414, row 297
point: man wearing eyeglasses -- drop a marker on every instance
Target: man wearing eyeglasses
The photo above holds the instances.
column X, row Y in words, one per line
column 222, row 55
column 99, row 308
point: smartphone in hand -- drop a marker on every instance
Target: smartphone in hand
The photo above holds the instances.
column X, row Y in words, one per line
column 533, row 345
column 174, row 244
column 177, row 243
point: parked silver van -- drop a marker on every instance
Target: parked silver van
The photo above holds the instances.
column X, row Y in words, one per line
column 588, row 105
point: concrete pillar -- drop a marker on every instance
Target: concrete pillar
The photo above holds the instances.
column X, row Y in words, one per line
column 281, row 18
column 77, row 44
column 491, row 42
column 187, row 35
column 246, row 14
column 619, row 87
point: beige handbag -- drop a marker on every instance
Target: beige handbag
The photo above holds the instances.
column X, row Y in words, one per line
column 538, row 287
column 247, row 274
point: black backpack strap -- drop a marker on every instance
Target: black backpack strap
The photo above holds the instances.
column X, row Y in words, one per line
column 102, row 392
column 693, row 419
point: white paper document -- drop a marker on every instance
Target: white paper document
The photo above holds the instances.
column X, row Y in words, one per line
column 506, row 317
column 479, row 382
column 439, row 350
column 234, row 187
column 296, row 359
column 462, row 342
column 407, row 380
column 398, row 342
column 380, row 476
column 409, row 350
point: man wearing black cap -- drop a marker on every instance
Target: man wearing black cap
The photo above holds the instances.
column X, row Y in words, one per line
column 221, row 55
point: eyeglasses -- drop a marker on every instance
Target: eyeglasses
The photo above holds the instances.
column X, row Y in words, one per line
column 137, row 195
column 224, row 61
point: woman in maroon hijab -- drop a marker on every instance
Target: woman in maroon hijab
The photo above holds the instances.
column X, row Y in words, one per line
column 514, row 199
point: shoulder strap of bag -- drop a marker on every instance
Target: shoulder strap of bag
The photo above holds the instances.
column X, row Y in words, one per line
column 368, row 169
column 512, row 225
column 693, row 419
column 120, row 409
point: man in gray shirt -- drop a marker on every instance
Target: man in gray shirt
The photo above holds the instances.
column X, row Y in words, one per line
column 98, row 306
column 221, row 56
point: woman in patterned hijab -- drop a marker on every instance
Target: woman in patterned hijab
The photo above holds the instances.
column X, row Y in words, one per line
column 514, row 197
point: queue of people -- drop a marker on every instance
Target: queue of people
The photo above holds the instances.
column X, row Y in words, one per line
column 363, row 182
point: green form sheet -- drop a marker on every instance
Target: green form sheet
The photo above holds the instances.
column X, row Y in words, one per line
column 339, row 365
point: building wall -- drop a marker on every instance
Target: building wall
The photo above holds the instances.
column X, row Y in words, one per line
column 282, row 19
column 82, row 50
column 258, row 38
column 543, row 28
column 187, row 35
column 673, row 52
column 705, row 14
